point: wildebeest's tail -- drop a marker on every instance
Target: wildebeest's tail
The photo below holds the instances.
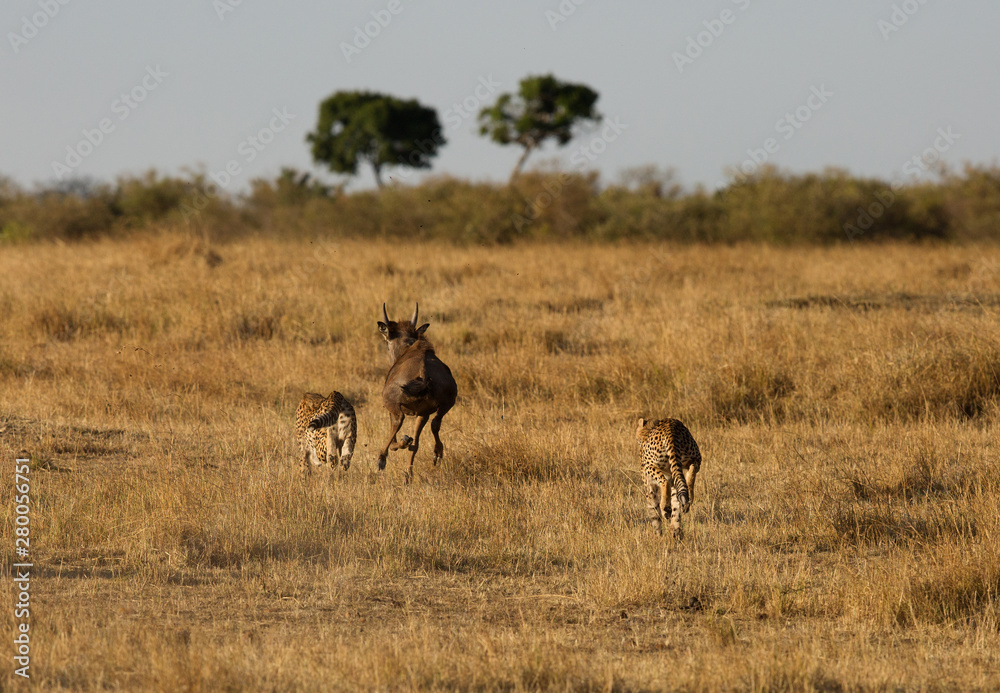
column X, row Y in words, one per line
column 416, row 387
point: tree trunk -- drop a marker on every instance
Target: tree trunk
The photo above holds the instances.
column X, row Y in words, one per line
column 520, row 163
column 378, row 175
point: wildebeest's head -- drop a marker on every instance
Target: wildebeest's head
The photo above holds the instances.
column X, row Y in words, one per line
column 399, row 335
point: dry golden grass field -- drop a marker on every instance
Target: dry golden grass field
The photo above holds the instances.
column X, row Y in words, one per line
column 845, row 534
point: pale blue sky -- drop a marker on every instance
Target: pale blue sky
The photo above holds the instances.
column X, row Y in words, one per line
column 218, row 80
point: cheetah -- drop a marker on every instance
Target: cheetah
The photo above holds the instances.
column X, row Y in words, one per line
column 334, row 414
column 670, row 461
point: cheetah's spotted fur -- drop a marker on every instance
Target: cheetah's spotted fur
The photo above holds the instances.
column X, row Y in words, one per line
column 670, row 461
column 325, row 426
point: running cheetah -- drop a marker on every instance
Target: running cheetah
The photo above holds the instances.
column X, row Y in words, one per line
column 670, row 460
column 334, row 414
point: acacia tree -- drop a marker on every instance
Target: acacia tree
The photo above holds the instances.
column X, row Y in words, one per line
column 544, row 108
column 356, row 126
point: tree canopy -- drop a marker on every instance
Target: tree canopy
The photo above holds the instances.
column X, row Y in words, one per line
column 544, row 108
column 356, row 126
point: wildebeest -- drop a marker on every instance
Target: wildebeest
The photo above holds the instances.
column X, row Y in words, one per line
column 418, row 384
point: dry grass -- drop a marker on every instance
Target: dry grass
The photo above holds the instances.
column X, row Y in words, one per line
column 845, row 535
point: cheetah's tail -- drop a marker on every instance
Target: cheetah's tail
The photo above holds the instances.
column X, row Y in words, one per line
column 680, row 487
column 329, row 414
column 683, row 499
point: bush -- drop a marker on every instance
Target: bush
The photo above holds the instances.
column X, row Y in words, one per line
column 770, row 207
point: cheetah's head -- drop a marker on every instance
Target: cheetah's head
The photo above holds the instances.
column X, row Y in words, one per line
column 641, row 425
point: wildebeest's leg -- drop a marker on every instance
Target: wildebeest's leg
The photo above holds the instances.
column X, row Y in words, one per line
column 415, row 445
column 435, row 429
column 402, row 444
column 395, row 422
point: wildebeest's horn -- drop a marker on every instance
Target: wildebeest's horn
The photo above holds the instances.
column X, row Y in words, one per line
column 416, row 309
column 385, row 316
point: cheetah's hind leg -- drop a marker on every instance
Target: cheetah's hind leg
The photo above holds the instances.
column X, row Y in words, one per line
column 676, row 510
column 309, row 454
column 653, row 511
column 345, row 438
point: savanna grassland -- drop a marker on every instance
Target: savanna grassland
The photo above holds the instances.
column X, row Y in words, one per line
column 845, row 534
